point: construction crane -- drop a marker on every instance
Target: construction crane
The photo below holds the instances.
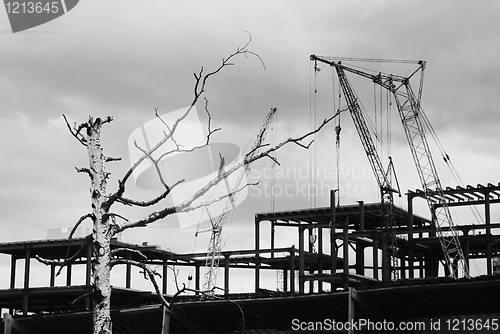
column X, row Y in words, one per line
column 383, row 176
column 215, row 245
column 412, row 118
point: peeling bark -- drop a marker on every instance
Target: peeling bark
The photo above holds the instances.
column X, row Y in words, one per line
column 102, row 231
column 104, row 224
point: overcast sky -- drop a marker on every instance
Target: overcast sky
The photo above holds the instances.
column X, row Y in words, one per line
column 123, row 58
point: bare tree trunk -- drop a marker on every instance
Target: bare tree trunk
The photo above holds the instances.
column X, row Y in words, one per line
column 102, row 231
column 105, row 225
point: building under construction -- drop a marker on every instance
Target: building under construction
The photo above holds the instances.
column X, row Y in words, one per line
column 316, row 284
column 375, row 265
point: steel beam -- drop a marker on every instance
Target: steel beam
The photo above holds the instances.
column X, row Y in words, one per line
column 257, row 254
column 13, row 271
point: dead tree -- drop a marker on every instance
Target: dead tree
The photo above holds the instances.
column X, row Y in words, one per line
column 107, row 223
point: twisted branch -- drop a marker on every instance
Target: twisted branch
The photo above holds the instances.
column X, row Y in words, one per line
column 151, row 274
column 199, row 89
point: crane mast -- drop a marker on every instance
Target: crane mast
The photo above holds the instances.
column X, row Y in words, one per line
column 384, row 179
column 410, row 110
column 215, row 244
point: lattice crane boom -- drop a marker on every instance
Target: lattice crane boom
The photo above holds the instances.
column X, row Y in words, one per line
column 215, row 245
column 382, row 176
column 410, row 110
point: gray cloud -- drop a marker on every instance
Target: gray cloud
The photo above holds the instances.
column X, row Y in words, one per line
column 124, row 59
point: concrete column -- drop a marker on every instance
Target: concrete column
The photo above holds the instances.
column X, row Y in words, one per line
column 320, row 253
column 465, row 246
column 346, row 252
column 272, row 238
column 27, row 259
column 410, row 211
column 292, row 270
column 350, row 310
column 301, row 260
column 375, row 256
column 411, row 268
column 226, row 275
column 197, row 278
column 360, row 259
column 68, row 274
column 487, row 218
column 422, row 261
column 285, row 280
column 311, row 246
column 165, row 322
column 52, row 275
column 433, row 222
column 128, row 272
column 13, row 271
column 402, row 257
column 333, row 244
column 257, row 254
column 164, row 285
column 361, row 215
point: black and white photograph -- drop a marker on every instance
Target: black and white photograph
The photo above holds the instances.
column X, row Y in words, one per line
column 259, row 167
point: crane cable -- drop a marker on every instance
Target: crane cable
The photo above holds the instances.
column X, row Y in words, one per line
column 227, row 225
column 194, row 248
column 312, row 150
column 230, row 218
column 273, row 166
column 448, row 162
column 338, row 129
column 454, row 172
column 375, row 107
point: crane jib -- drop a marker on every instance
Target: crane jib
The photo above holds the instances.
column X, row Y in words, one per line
column 409, row 109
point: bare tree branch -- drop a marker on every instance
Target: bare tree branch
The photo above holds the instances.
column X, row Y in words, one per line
column 77, row 299
column 274, row 159
column 85, row 170
column 178, row 149
column 113, row 225
column 209, row 295
column 219, row 177
column 108, row 119
column 121, row 183
column 218, row 199
column 105, row 223
column 225, row 62
column 110, row 159
column 151, row 274
column 114, row 215
column 124, row 249
column 82, row 218
column 154, row 162
column 75, row 131
column 248, row 52
column 128, row 201
column 168, row 128
column 199, row 89
column 210, row 131
column 184, row 289
column 67, row 260
column 73, row 230
column 168, row 306
column 250, row 153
